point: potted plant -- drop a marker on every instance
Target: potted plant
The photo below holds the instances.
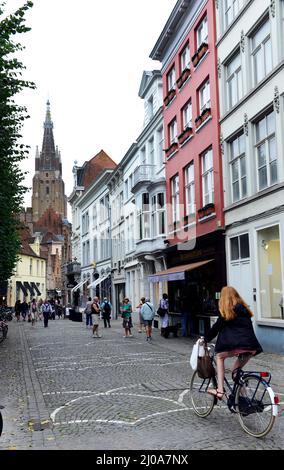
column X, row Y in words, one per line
column 187, row 132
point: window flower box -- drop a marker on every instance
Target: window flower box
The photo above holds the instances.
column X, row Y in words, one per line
column 198, row 121
column 171, row 94
column 203, row 48
column 185, row 74
column 195, row 59
column 179, row 82
column 171, row 149
column 187, row 132
column 206, row 113
column 206, row 210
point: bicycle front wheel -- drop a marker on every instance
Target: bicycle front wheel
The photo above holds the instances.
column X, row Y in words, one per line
column 254, row 406
column 202, row 402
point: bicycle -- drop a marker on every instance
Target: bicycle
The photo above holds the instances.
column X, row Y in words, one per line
column 1, row 420
column 249, row 396
column 3, row 330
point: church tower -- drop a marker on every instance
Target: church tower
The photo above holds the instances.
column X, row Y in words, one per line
column 48, row 186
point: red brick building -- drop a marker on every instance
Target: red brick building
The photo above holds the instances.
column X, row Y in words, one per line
column 186, row 49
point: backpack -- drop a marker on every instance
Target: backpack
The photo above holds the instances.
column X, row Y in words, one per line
column 107, row 308
column 161, row 311
column 46, row 308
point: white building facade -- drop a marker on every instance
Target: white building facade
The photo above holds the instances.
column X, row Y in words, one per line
column 250, row 38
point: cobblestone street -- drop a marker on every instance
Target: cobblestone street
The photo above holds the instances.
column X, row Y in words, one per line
column 63, row 389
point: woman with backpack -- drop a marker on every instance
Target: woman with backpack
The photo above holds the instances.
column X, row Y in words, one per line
column 163, row 313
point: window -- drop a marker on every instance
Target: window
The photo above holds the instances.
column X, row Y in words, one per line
column 266, row 151
column 189, row 190
column 88, row 252
column 234, row 80
column 232, row 8
column 160, row 147
column 171, row 79
column 126, row 189
column 173, row 131
column 143, row 216
column 239, row 247
column 37, row 268
column 47, row 189
column 150, row 107
column 270, row 273
column 31, row 266
column 204, row 96
column 238, row 168
column 158, row 214
column 132, row 232
column 95, row 216
column 185, row 58
column 95, row 249
column 151, row 152
column 202, row 33
column 187, row 115
column 143, row 156
column 261, row 52
column 175, row 198
column 207, row 178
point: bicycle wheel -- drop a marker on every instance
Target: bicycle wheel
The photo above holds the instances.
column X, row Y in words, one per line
column 254, row 406
column 1, row 423
column 2, row 334
column 202, row 402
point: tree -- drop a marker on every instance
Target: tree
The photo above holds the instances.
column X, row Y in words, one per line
column 12, row 153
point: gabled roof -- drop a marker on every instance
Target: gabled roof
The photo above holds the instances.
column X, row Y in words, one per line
column 93, row 168
column 146, row 81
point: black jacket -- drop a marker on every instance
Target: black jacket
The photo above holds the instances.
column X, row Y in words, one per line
column 234, row 334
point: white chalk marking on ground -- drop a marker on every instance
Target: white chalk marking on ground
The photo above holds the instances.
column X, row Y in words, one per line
column 182, row 407
column 73, row 392
column 181, row 396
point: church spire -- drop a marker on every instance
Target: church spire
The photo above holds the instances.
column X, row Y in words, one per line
column 49, row 156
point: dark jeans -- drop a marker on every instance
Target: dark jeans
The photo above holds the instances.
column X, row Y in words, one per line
column 106, row 318
column 89, row 320
column 45, row 318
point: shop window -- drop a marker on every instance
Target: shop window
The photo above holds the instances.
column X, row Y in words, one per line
column 270, row 273
column 239, row 247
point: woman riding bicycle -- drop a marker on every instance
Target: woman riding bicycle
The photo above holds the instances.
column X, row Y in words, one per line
column 235, row 335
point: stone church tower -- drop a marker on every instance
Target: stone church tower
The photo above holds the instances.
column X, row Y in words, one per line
column 48, row 185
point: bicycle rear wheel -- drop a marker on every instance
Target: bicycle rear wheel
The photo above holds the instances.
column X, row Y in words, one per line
column 254, row 406
column 2, row 334
column 202, row 402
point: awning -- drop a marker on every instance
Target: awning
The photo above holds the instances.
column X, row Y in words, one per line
column 177, row 273
column 33, row 284
column 30, row 288
column 94, row 284
column 21, row 286
column 79, row 285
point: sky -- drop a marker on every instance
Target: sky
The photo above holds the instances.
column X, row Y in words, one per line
column 87, row 57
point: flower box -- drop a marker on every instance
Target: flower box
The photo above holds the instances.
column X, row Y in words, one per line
column 203, row 48
column 198, row 121
column 179, row 82
column 206, row 210
column 206, row 113
column 195, row 59
column 185, row 135
column 171, row 94
column 171, row 149
column 185, row 74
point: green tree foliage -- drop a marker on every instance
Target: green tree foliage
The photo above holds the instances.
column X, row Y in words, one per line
column 12, row 153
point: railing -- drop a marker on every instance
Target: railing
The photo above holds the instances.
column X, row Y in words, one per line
column 73, row 268
column 143, row 173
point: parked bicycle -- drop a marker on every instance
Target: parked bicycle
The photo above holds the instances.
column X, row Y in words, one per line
column 3, row 329
column 249, row 396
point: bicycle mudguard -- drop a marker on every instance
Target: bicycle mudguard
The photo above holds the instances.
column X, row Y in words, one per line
column 272, row 396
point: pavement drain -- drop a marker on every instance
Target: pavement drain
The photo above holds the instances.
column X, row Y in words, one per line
column 37, row 425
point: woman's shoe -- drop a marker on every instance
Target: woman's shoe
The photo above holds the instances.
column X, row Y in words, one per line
column 216, row 393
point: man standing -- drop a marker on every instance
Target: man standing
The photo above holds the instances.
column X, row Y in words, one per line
column 148, row 313
column 46, row 310
column 106, row 311
column 88, row 312
column 96, row 313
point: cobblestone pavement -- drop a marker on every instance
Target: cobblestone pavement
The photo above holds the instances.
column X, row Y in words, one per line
column 63, row 389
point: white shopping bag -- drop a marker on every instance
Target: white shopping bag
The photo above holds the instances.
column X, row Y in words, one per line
column 194, row 355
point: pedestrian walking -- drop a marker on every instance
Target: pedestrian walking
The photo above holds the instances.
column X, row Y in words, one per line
column 148, row 313
column 96, row 317
column 33, row 311
column 163, row 311
column 46, row 311
column 126, row 315
column 39, row 308
column 88, row 313
column 24, row 309
column 141, row 321
column 106, row 309
column 18, row 309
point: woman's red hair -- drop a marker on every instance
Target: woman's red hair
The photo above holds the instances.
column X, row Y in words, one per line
column 228, row 300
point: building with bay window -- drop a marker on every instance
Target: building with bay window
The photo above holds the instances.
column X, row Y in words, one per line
column 250, row 37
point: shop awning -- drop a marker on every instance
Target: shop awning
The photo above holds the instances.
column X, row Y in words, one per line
column 177, row 273
column 33, row 284
column 94, row 284
column 30, row 288
column 22, row 287
column 79, row 285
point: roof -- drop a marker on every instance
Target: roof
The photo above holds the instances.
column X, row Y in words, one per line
column 176, row 273
column 93, row 168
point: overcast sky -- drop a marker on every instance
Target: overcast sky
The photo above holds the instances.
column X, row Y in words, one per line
column 87, row 57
